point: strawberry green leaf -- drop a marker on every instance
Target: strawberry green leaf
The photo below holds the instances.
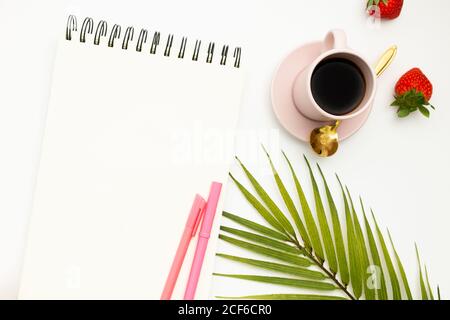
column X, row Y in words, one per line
column 411, row 101
column 403, row 112
column 424, row 111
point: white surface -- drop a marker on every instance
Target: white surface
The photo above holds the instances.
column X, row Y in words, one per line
column 400, row 167
column 119, row 168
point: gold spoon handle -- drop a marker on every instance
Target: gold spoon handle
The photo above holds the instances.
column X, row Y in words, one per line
column 385, row 60
column 336, row 125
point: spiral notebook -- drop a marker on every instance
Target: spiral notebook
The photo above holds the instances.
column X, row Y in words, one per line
column 138, row 122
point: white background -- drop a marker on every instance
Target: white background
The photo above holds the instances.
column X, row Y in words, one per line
column 400, row 167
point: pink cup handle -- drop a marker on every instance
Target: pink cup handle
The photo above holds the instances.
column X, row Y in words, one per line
column 335, row 39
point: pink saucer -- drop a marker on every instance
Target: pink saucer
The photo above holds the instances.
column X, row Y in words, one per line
column 283, row 104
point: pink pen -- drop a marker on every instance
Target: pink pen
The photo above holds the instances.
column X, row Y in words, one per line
column 203, row 237
column 189, row 232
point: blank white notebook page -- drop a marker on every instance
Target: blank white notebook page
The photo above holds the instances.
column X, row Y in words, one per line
column 130, row 138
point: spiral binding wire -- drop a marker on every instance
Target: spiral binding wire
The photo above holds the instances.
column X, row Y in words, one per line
column 237, row 57
column 141, row 39
column 223, row 59
column 182, row 48
column 101, row 30
column 71, row 26
column 127, row 37
column 155, row 42
column 169, row 43
column 87, row 26
column 210, row 55
column 198, row 43
column 115, row 33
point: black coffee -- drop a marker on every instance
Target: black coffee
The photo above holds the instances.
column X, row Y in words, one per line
column 338, row 86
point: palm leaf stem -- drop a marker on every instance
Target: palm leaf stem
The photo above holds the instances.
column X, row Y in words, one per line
column 316, row 261
column 325, row 270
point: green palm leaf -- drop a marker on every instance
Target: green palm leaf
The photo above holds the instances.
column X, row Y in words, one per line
column 340, row 247
column 304, row 284
column 305, row 261
column 423, row 289
column 281, row 268
column 323, row 223
column 290, row 205
column 262, row 240
column 365, row 262
column 277, row 213
column 283, row 297
column 255, row 226
column 401, row 269
column 258, row 206
column 276, row 254
column 392, row 274
column 309, row 220
column 382, row 291
column 353, row 249
column 430, row 291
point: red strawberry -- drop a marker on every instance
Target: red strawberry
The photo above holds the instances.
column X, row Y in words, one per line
column 413, row 92
column 389, row 9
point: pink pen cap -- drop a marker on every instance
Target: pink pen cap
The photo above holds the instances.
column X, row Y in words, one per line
column 190, row 229
column 210, row 210
column 203, row 237
column 196, row 214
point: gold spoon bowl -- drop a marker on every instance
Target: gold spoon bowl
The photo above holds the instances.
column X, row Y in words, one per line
column 325, row 140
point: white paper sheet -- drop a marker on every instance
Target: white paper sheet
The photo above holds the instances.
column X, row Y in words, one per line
column 130, row 139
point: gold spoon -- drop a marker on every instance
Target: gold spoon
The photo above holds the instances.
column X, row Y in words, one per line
column 325, row 140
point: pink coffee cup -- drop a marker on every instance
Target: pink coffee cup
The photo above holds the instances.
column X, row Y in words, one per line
column 334, row 46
